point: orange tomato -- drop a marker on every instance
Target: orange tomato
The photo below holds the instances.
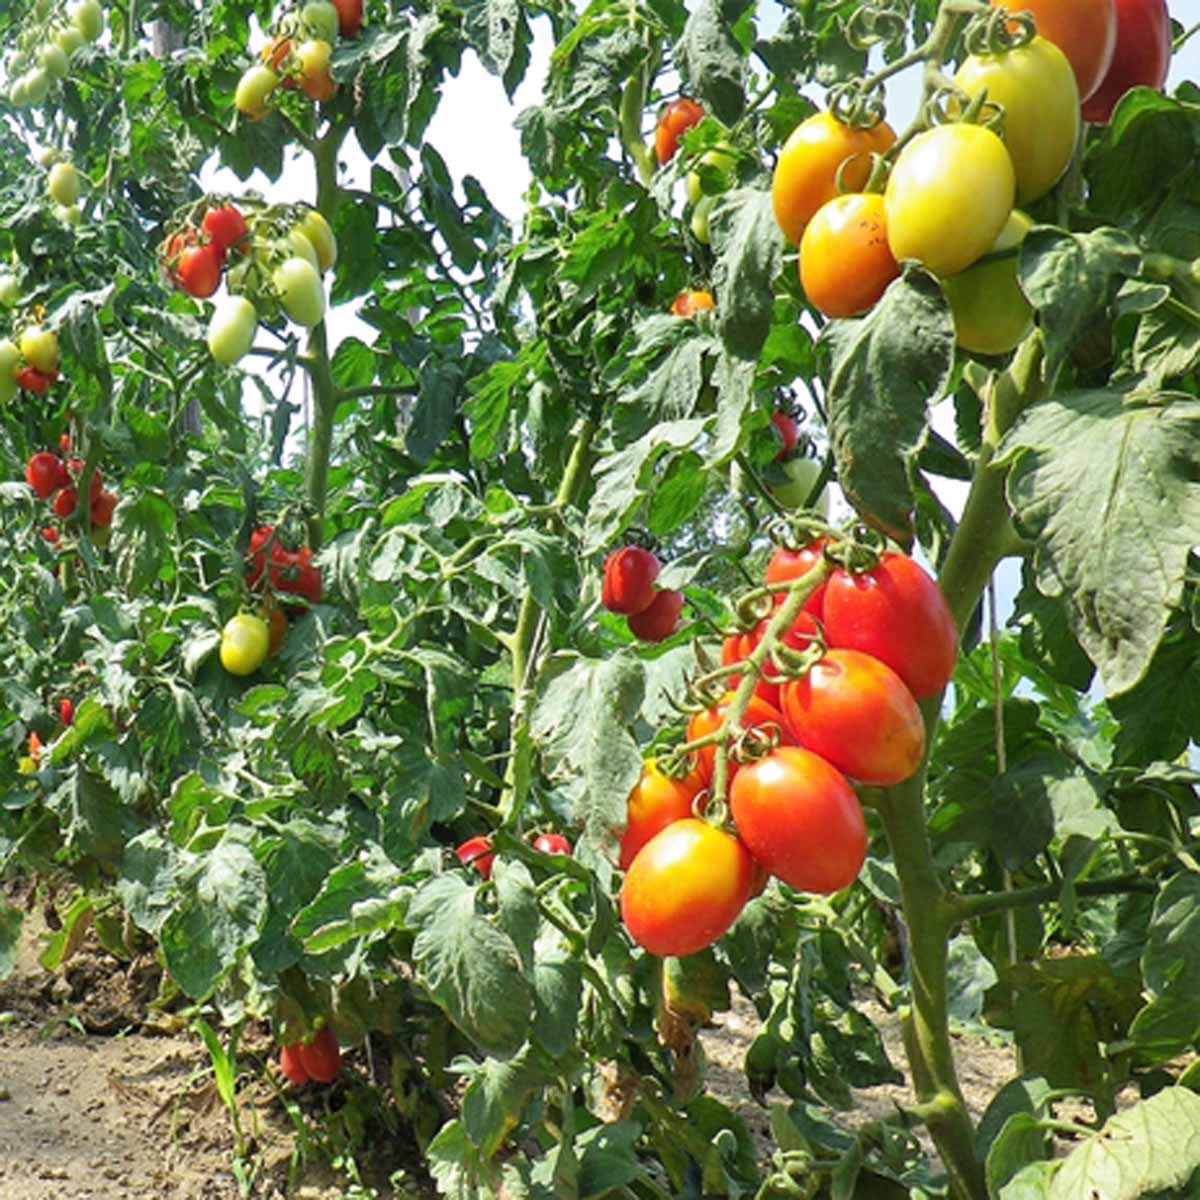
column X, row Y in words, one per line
column 845, row 261
column 656, row 801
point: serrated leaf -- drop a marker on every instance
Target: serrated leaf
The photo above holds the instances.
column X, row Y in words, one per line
column 750, row 256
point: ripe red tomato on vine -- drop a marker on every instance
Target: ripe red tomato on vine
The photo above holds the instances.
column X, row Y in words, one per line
column 629, row 575
column 655, row 802
column 226, row 228
column 46, row 473
column 659, row 620
column 674, row 120
column 758, row 714
column 1141, row 58
column 321, row 1058
column 477, row 852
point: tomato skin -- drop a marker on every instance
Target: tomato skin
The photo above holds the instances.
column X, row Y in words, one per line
column 629, row 575
column 685, row 888
column 320, row 19
column 896, row 613
column 198, row 269
column 806, row 174
column 226, row 228
column 255, row 85
column 350, row 15
column 39, row 348
column 244, row 644
column 660, row 619
column 801, row 476
column 991, row 314
column 800, row 818
column 787, row 564
column 477, row 852
column 758, row 713
column 856, row 713
column 552, row 843
column 231, row 330
column 63, row 184
column 32, row 380
column 88, row 18
column 65, row 502
column 845, row 261
column 656, row 801
column 300, row 291
column 678, row 116
column 321, row 1058
column 277, row 626
column 321, row 236
column 1084, row 30
column 1037, row 87
column 1142, row 56
column 45, row 473
column 688, row 304
column 290, row 1066
column 789, row 433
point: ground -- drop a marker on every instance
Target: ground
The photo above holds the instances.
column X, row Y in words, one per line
column 103, row 1098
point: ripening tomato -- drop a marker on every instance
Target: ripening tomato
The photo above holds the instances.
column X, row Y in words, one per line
column 103, row 507
column 75, row 470
column 32, row 380
column 806, row 175
column 295, row 575
column 274, row 56
column 629, row 575
column 255, row 85
column 685, row 888
column 856, row 713
column 688, row 304
column 63, row 183
column 1141, row 59
column 45, row 473
column 1036, row 86
column 991, row 314
column 39, row 348
column 65, row 502
column 66, row 710
column 896, row 613
column 801, row 820
column 50, row 534
column 789, row 433
column 198, row 269
column 321, row 1058
column 315, row 78
column 320, row 19
column 321, row 237
column 244, row 644
column 656, row 801
column 350, row 15
column 845, row 261
column 477, row 852
column 298, row 284
column 678, row 116
column 787, row 564
column 552, row 843
column 226, row 228
column 758, row 714
column 1084, row 30
column 290, row 1065
column 738, row 647
column 231, row 330
column 659, row 620
column 948, row 196
column 277, row 626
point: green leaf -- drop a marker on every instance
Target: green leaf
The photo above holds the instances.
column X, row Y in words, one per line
column 1171, row 960
column 1106, row 488
column 1021, row 1140
column 495, row 1098
column 558, row 994
column 143, row 539
column 607, row 1161
column 10, row 937
column 882, row 371
column 750, row 256
column 711, row 61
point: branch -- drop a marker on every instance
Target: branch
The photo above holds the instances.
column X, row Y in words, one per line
column 983, row 904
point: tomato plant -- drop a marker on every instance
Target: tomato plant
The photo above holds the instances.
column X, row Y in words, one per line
column 845, row 261
column 1140, row 58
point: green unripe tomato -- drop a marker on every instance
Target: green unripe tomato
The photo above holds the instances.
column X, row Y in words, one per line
column 320, row 19
column 255, row 85
column 991, row 314
column 18, row 93
column 88, row 17
column 700, row 216
column 53, row 60
column 37, row 85
column 69, row 39
column 41, row 9
column 297, row 245
column 69, row 214
column 10, row 290
column 231, row 329
column 298, row 284
column 63, row 184
column 10, row 360
column 799, row 476
column 721, row 163
column 244, row 643
column 324, row 241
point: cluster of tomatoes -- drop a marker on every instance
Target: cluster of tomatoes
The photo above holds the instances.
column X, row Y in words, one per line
column 651, row 612
column 63, row 186
column 49, row 476
column 275, row 262
column 29, row 364
column 476, row 852
column 297, row 55
column 319, row 1060
column 45, row 46
column 866, row 647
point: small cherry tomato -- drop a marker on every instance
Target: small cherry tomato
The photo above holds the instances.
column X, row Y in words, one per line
column 226, row 228
column 103, row 507
column 678, row 116
column 758, row 714
column 660, row 619
column 845, row 261
column 629, row 575
column 198, row 269
column 656, row 801
column 789, row 433
column 66, row 710
column 244, row 644
column 552, row 843
column 688, row 304
column 45, row 473
column 321, row 1058
column 290, row 1065
column 1142, row 56
column 477, row 852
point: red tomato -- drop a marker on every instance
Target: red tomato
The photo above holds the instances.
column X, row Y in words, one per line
column 678, row 116
column 65, row 502
column 292, row 571
column 290, row 1065
column 685, row 888
column 321, row 1058
column 688, row 304
column 1141, row 59
column 76, row 466
column 1084, row 30
column 737, row 648
column 45, row 473
column 845, row 261
column 477, row 852
column 660, row 620
column 855, row 712
column 35, row 381
column 50, row 534
column 102, row 510
column 172, row 251
column 226, row 228
column 789, row 433
column 787, row 564
column 350, row 15
column 64, row 443
column 66, row 711
column 199, row 270
column 552, row 843
column 800, row 819
column 896, row 613
column 758, row 714
column 629, row 576
column 656, row 801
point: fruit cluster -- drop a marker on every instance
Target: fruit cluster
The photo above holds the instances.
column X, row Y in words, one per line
column 297, row 55
column 319, row 1060
column 45, row 46
column 867, row 645
column 29, row 364
column 652, row 613
column 49, row 476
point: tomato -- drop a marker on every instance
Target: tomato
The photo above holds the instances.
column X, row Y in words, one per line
column 277, row 627
column 39, row 348
column 629, row 575
column 789, row 433
column 10, row 290
column 688, row 304
column 787, row 564
column 321, row 237
column 758, row 714
column 1036, row 86
column 656, row 801
column 1141, row 59
column 350, row 15
column 53, row 60
column 37, row 86
column 226, row 228
column 845, row 262
column 198, row 269
column 88, row 18
column 50, row 534
column 315, row 78
column 721, row 163
column 294, row 243
column 896, row 613
column 103, row 507
column 290, row 1065
column 476, row 852
column 739, row 647
column 76, row 472
column 32, row 380
column 63, row 183
column 806, row 175
column 321, row 1058
column 231, row 330
column 678, row 116
column 300, row 578
column 657, row 622
column 991, row 314
column 65, row 502
column 69, row 214
column 66, row 710
column 801, row 820
column 856, row 713
column 274, row 56
column 948, row 196
column 244, row 644
column 1084, row 30
column 298, row 284
column 700, row 218
column 69, row 39
column 552, row 843
column 255, row 85
column 320, row 19
column 685, row 888
column 800, row 477
column 45, row 473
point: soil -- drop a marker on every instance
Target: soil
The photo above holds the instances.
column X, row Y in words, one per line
column 104, row 1096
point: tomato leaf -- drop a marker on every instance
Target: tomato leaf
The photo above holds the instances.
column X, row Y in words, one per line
column 1105, row 486
column 558, row 993
column 712, row 62
column 749, row 257
column 881, row 372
